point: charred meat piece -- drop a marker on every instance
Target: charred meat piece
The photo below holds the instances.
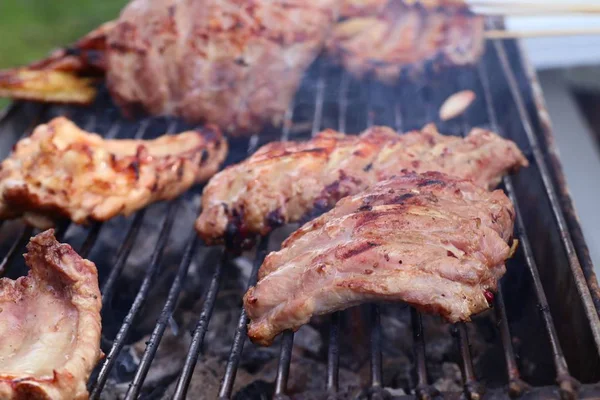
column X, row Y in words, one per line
column 388, row 38
column 49, row 324
column 63, row 171
column 67, row 76
column 436, row 242
column 286, row 181
column 233, row 63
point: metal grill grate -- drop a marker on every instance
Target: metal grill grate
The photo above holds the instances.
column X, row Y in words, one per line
column 330, row 98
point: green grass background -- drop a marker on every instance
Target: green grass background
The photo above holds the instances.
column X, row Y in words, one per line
column 30, row 29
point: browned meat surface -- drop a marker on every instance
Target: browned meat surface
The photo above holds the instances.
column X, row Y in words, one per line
column 236, row 63
column 436, row 242
column 285, row 181
column 63, row 171
column 49, row 324
column 388, row 37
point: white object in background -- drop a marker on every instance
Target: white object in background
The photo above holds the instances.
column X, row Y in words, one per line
column 558, row 52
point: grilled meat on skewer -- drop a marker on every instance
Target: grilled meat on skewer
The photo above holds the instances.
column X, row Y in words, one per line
column 436, row 242
column 387, row 38
column 49, row 324
column 63, row 171
column 286, row 181
column 233, row 63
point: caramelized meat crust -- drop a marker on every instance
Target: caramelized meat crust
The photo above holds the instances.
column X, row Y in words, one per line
column 386, row 38
column 49, row 324
column 287, row 181
column 436, row 242
column 67, row 76
column 235, row 63
column 63, row 171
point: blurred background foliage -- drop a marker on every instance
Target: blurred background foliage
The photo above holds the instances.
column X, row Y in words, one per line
column 30, row 29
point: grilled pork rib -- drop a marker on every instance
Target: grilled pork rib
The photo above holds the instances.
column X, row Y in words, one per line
column 63, row 171
column 286, row 181
column 388, row 37
column 49, row 324
column 433, row 241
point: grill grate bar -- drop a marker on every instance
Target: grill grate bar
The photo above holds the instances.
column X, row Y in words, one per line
column 253, row 143
column 563, row 377
column 316, row 125
column 283, row 369
column 240, row 332
column 199, row 332
column 122, row 255
column 14, row 249
column 136, row 224
column 562, row 371
column 472, row 387
column 140, row 298
column 423, row 390
column 61, row 229
column 343, row 101
column 333, row 346
column 167, row 311
column 285, row 355
column 90, row 240
column 579, row 278
column 113, row 131
column 333, row 353
column 515, row 385
column 374, row 314
column 143, row 128
column 375, row 347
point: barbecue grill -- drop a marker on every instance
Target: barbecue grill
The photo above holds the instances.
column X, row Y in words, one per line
column 544, row 329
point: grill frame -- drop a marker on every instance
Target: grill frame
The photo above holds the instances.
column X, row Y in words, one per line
column 539, row 134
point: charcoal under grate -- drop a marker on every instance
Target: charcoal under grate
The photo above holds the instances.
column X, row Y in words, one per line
column 542, row 338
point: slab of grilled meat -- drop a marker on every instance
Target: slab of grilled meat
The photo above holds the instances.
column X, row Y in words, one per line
column 287, row 181
column 49, row 324
column 436, row 242
column 386, row 38
column 61, row 171
column 235, row 63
